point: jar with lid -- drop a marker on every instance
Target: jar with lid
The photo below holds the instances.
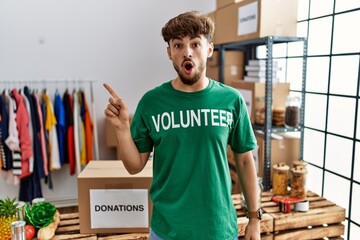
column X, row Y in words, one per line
column 280, row 178
column 300, row 163
column 260, row 111
column 298, row 182
column 292, row 111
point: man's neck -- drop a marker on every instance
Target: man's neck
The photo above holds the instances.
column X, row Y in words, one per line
column 198, row 86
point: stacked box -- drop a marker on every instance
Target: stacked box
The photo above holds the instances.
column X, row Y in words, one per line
column 233, row 66
column 249, row 19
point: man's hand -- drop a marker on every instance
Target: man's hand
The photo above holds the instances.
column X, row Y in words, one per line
column 116, row 111
column 252, row 231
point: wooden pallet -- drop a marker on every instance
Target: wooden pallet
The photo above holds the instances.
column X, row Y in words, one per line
column 323, row 220
column 69, row 229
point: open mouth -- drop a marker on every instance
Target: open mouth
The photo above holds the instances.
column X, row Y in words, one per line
column 188, row 66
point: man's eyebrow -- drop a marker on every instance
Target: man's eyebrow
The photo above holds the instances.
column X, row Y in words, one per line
column 181, row 38
column 177, row 38
column 196, row 37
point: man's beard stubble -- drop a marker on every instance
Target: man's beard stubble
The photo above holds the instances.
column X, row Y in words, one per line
column 192, row 80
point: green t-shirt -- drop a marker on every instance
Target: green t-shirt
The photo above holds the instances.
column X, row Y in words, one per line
column 190, row 131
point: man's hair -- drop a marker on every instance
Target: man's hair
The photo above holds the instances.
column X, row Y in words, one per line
column 190, row 24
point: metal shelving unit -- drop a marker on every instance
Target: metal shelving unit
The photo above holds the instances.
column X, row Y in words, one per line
column 249, row 47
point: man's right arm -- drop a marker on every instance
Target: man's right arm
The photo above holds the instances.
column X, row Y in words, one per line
column 117, row 114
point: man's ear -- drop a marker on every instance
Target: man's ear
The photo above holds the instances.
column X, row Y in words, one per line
column 210, row 50
column 168, row 52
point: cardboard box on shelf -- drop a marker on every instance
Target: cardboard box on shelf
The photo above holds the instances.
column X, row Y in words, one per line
column 250, row 19
column 252, row 91
column 231, row 58
column 224, row 3
column 233, row 66
column 212, row 15
column 286, row 150
column 110, row 200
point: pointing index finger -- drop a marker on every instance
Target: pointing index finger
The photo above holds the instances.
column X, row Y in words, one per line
column 110, row 90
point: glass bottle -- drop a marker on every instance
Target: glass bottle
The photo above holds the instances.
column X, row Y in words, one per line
column 260, row 111
column 292, row 111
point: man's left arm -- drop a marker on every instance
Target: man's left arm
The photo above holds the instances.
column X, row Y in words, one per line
column 246, row 171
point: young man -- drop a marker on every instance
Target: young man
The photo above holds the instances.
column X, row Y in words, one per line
column 189, row 121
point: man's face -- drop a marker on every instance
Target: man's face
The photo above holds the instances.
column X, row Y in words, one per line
column 189, row 57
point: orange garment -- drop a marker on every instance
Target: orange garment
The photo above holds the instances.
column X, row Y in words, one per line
column 82, row 141
column 89, row 128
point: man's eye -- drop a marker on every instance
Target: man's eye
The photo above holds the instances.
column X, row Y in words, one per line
column 177, row 46
column 196, row 45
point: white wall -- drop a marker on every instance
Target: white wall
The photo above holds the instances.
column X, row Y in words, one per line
column 112, row 41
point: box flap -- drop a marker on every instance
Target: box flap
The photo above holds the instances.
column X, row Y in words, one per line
column 112, row 169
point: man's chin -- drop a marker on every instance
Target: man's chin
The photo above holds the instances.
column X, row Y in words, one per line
column 188, row 81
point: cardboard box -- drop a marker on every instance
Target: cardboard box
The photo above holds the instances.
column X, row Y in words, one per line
column 212, row 15
column 251, row 19
column 231, row 58
column 233, row 66
column 224, row 3
column 113, row 201
column 286, row 150
column 252, row 91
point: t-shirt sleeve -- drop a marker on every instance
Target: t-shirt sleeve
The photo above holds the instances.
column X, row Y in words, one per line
column 242, row 138
column 140, row 131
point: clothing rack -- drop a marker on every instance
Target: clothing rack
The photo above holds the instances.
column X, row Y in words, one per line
column 74, row 82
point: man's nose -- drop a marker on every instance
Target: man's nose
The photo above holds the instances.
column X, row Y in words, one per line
column 187, row 52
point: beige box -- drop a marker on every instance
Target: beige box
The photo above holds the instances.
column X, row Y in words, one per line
column 231, row 58
column 252, row 91
column 251, row 19
column 286, row 150
column 212, row 15
column 110, row 200
column 224, row 3
column 233, row 66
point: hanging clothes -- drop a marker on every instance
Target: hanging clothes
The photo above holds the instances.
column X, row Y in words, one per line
column 69, row 125
column 30, row 126
column 41, row 135
column 77, row 131
column 12, row 142
column 59, row 112
column 22, row 121
column 48, row 179
column 6, row 158
column 35, row 127
column 82, row 137
column 50, row 126
column 89, row 128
